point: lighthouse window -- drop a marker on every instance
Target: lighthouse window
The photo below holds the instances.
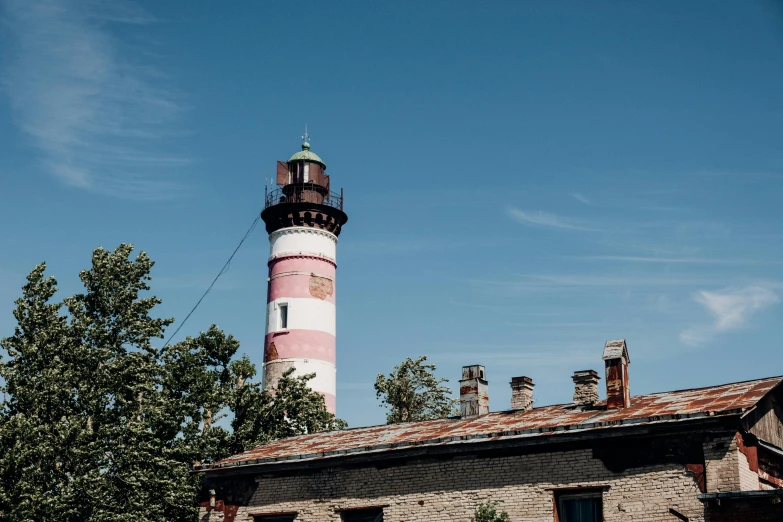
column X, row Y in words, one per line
column 296, row 172
column 283, row 315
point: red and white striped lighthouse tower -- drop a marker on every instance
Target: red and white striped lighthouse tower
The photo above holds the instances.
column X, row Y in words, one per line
column 303, row 218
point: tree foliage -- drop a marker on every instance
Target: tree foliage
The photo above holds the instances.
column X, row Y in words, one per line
column 412, row 393
column 488, row 512
column 100, row 425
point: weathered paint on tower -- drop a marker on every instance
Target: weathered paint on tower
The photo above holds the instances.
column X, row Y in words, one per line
column 303, row 218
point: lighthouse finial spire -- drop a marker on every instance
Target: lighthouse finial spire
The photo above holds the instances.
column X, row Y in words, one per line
column 305, row 139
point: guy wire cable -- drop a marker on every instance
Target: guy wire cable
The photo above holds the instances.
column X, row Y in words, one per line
column 222, row 271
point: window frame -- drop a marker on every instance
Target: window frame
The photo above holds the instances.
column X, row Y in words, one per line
column 351, row 511
column 281, row 323
column 575, row 493
column 275, row 517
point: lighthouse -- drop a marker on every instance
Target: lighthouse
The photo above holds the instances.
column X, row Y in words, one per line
column 303, row 218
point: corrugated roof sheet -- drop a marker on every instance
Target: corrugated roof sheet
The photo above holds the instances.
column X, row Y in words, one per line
column 548, row 420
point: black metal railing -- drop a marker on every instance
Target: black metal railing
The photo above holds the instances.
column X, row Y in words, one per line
column 305, row 193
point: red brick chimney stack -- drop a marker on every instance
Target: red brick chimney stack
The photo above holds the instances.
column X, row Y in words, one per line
column 616, row 360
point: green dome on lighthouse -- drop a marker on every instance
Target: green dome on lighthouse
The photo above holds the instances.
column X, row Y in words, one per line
column 307, row 155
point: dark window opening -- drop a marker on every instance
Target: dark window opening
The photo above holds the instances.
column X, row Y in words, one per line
column 585, row 507
column 274, row 518
column 283, row 316
column 363, row 515
column 297, row 171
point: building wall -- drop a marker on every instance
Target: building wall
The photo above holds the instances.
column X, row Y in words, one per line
column 766, row 421
column 727, row 468
column 748, row 479
column 450, row 490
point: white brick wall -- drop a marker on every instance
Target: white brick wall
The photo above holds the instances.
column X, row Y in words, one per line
column 450, row 490
column 748, row 480
column 726, row 467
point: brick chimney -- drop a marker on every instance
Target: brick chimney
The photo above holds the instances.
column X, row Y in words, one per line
column 586, row 387
column 522, row 393
column 618, row 392
column 473, row 392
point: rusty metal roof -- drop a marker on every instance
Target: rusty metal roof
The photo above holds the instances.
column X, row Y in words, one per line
column 675, row 406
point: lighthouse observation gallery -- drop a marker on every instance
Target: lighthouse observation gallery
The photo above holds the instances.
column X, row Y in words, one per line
column 303, row 219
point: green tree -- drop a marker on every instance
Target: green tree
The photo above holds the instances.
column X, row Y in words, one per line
column 412, row 393
column 100, row 425
column 294, row 409
column 488, row 512
column 39, row 435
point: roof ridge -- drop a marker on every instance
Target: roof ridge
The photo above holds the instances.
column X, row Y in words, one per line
column 778, row 377
column 560, row 404
column 644, row 408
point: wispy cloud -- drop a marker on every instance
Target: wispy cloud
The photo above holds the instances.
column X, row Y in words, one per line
column 544, row 219
column 577, row 280
column 695, row 336
column 503, row 310
column 552, row 325
column 581, row 198
column 744, row 175
column 731, row 310
column 102, row 120
column 515, row 285
column 517, row 356
column 401, row 246
column 680, row 260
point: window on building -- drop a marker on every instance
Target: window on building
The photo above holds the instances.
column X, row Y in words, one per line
column 274, row 518
column 586, row 507
column 363, row 515
column 283, row 310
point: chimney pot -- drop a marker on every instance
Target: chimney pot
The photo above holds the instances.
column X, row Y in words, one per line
column 586, row 387
column 522, row 393
column 473, row 392
column 616, row 360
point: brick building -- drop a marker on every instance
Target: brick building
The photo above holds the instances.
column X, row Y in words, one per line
column 708, row 454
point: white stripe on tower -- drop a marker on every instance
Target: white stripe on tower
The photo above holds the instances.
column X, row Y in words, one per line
column 303, row 241
column 301, row 314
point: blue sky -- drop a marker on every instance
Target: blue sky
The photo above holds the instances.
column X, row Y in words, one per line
column 524, row 180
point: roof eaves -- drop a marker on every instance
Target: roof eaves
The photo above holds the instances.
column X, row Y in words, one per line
column 750, row 494
column 467, row 439
column 771, row 447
